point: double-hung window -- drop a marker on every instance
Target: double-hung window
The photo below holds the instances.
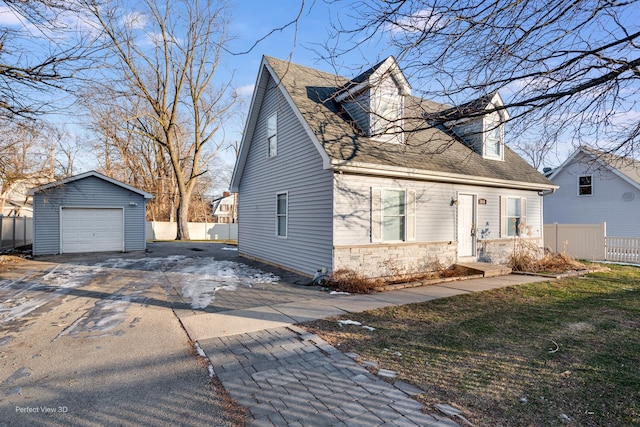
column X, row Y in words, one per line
column 493, row 138
column 393, row 215
column 282, row 214
column 513, row 216
column 585, row 187
column 272, row 135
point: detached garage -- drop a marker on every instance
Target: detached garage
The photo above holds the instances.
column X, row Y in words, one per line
column 89, row 212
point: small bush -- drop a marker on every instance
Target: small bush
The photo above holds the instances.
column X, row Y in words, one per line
column 345, row 280
column 559, row 262
column 525, row 255
column 528, row 257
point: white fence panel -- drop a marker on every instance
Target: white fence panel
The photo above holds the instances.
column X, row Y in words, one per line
column 581, row 241
column 624, row 249
column 157, row 230
column 15, row 231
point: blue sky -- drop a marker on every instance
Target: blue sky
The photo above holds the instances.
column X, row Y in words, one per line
column 252, row 20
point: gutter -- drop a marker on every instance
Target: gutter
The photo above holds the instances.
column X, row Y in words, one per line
column 397, row 172
column 547, row 192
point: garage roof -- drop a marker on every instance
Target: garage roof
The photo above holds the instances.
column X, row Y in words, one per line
column 86, row 175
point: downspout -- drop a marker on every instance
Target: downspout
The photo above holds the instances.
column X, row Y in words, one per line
column 544, row 193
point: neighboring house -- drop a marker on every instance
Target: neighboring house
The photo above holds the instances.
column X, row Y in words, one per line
column 336, row 173
column 14, row 197
column 224, row 209
column 596, row 187
column 89, row 212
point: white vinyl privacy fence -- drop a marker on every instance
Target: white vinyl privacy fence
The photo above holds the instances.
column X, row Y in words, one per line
column 590, row 242
column 15, row 231
column 157, row 230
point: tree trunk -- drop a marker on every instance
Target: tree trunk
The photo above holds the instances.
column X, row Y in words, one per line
column 183, row 218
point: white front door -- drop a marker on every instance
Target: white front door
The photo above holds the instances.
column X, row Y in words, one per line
column 466, row 225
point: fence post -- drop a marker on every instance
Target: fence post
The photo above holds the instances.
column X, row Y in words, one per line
column 606, row 241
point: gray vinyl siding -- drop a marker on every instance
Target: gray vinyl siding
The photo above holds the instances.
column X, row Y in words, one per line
column 89, row 192
column 436, row 216
column 614, row 201
column 296, row 170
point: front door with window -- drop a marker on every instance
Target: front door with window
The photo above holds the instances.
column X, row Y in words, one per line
column 466, row 225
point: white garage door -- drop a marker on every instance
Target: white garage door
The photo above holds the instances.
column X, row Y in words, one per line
column 92, row 230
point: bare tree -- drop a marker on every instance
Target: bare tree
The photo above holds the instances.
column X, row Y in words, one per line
column 570, row 71
column 32, row 154
column 165, row 58
column 41, row 53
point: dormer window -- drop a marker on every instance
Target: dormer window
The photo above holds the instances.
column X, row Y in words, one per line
column 375, row 101
column 387, row 112
column 493, row 138
column 482, row 131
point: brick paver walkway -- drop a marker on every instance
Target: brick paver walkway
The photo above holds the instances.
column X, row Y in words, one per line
column 289, row 377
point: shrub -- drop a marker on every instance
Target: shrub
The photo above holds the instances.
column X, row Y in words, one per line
column 345, row 280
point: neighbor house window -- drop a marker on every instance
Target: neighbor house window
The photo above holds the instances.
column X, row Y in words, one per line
column 281, row 214
column 393, row 215
column 585, row 187
column 513, row 216
column 272, row 135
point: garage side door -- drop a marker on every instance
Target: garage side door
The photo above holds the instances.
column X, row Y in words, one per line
column 92, row 230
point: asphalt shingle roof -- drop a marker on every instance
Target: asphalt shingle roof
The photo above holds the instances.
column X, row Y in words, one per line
column 625, row 165
column 427, row 148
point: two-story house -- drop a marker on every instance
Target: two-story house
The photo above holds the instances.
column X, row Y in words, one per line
column 339, row 173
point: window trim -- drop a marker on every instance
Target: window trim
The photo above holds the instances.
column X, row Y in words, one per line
column 285, row 215
column 590, row 185
column 377, row 215
column 504, row 216
column 272, row 132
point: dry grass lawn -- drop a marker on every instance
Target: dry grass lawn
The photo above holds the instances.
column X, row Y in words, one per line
column 565, row 352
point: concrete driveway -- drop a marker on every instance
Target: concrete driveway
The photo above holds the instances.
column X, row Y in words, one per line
column 94, row 340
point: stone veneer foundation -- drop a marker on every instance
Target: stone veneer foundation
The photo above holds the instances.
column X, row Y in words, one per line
column 377, row 260
column 499, row 251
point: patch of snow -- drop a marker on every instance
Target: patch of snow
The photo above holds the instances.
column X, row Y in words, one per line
column 339, row 293
column 229, row 249
column 31, row 296
column 203, row 292
column 105, row 315
column 349, row 322
column 368, row 328
column 200, row 351
column 148, row 264
column 202, row 280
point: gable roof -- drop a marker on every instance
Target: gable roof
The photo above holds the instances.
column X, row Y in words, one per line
column 472, row 110
column 86, row 175
column 428, row 153
column 625, row 167
column 372, row 76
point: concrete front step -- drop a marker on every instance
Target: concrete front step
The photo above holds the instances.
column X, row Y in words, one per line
column 486, row 269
